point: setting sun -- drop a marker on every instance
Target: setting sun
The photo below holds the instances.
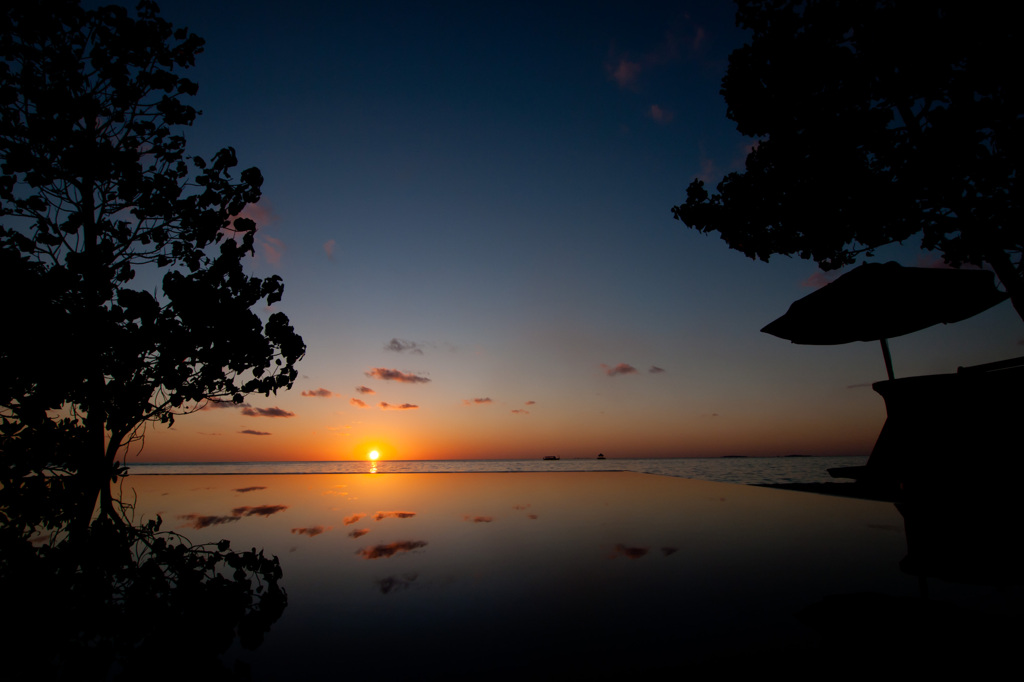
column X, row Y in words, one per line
column 374, row 454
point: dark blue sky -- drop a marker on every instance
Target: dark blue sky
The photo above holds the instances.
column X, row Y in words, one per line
column 492, row 183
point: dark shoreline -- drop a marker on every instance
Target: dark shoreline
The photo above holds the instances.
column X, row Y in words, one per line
column 838, row 489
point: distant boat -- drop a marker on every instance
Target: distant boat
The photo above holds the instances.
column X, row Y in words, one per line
column 601, row 456
column 552, row 457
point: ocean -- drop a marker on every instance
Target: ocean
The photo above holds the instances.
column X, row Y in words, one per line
column 743, row 470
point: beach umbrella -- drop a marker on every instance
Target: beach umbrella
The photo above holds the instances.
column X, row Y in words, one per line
column 878, row 301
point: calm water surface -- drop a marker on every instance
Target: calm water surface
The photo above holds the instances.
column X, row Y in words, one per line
column 544, row 575
column 748, row 470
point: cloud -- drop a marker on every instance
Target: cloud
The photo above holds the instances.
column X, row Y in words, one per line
column 660, row 115
column 329, row 249
column 625, row 69
column 655, row 369
column 365, row 390
column 250, row 489
column 273, row 249
column 262, row 510
column 394, row 375
column 621, row 368
column 311, row 532
column 477, row 401
column 393, row 515
column 266, row 412
column 530, row 402
column 817, row 280
column 390, row 549
column 404, row 406
column 623, row 72
column 401, row 345
column 318, row 393
column 200, row 521
column 262, row 213
column 669, row 551
column 221, row 405
column 478, row 519
column 349, row 520
column 250, row 432
column 358, row 532
column 357, row 402
column 698, row 39
column 520, row 412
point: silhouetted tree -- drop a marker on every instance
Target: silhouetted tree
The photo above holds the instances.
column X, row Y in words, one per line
column 874, row 122
column 133, row 602
column 120, row 253
column 125, row 302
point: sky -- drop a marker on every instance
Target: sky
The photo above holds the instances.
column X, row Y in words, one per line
column 470, row 206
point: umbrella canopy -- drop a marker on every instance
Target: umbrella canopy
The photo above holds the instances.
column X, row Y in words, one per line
column 877, row 301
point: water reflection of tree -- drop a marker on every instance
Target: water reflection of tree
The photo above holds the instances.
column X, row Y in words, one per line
column 99, row 201
column 125, row 599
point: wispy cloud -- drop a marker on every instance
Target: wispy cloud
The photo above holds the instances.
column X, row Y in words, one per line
column 395, row 375
column 365, row 390
column 478, row 519
column 250, row 488
column 623, row 71
column 520, row 412
column 349, row 520
column 358, row 532
column 329, row 249
column 621, row 368
column 319, row 393
column 250, row 432
column 655, row 370
column 273, row 249
column 401, row 346
column 404, row 406
column 262, row 213
column 267, row 412
column 659, row 114
column 530, row 402
column 357, row 402
column 477, row 401
column 817, row 280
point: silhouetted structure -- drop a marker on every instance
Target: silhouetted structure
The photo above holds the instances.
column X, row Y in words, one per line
column 880, row 301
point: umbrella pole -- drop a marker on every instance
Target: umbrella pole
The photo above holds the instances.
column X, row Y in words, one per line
column 888, row 358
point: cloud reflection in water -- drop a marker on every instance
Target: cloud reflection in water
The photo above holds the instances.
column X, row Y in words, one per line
column 393, row 514
column 390, row 549
column 312, row 531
